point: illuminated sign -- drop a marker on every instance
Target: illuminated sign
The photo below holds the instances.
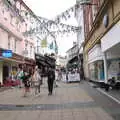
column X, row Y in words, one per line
column 6, row 53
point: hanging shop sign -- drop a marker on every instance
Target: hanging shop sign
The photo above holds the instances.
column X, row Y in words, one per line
column 83, row 1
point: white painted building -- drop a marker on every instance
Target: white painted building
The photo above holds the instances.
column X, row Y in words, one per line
column 12, row 25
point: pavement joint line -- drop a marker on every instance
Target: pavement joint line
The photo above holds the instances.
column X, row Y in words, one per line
column 48, row 106
column 113, row 98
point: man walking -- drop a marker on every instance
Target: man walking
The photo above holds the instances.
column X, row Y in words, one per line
column 51, row 78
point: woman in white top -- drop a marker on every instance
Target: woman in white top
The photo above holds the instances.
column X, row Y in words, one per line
column 37, row 80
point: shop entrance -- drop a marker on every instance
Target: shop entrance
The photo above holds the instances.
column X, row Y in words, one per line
column 5, row 73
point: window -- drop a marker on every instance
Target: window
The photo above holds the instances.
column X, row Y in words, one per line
column 15, row 45
column 26, row 45
column 6, row 12
column 11, row 19
column 26, row 26
column 3, row 11
column 94, row 9
column 30, row 50
column 18, row 25
column 2, row 8
column 89, row 19
column 9, row 41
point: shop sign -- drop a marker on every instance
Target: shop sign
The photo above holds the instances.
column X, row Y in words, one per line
column 83, row 1
column 6, row 53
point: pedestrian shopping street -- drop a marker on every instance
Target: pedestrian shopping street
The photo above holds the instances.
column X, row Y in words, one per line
column 70, row 101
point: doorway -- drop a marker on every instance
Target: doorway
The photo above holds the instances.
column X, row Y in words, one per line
column 5, row 72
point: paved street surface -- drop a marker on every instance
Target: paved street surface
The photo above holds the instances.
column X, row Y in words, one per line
column 72, row 101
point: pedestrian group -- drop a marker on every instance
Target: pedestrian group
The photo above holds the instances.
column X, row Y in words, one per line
column 33, row 79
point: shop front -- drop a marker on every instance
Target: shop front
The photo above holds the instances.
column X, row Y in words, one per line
column 110, row 45
column 95, row 63
column 9, row 67
column 96, row 70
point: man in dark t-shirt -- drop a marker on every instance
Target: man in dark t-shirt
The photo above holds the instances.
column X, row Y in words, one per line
column 51, row 78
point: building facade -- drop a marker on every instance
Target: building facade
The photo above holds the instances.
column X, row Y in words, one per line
column 72, row 57
column 72, row 52
column 12, row 26
column 61, row 61
column 102, row 43
column 80, row 20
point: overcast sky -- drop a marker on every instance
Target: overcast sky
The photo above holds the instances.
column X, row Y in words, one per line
column 49, row 9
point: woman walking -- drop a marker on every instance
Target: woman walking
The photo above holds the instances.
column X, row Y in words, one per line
column 26, row 82
column 37, row 81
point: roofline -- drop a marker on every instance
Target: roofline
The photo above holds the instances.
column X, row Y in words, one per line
column 71, row 48
column 25, row 5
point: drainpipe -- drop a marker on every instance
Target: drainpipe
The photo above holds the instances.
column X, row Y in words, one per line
column 105, row 67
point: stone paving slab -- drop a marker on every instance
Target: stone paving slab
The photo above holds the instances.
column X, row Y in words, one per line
column 60, row 95
column 69, row 102
column 67, row 114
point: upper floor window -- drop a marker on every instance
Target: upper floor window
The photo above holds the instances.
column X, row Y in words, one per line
column 9, row 37
column 95, row 8
column 26, row 26
column 18, row 24
column 15, row 45
column 30, row 50
column 89, row 19
column 26, row 45
column 11, row 19
column 12, row 2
